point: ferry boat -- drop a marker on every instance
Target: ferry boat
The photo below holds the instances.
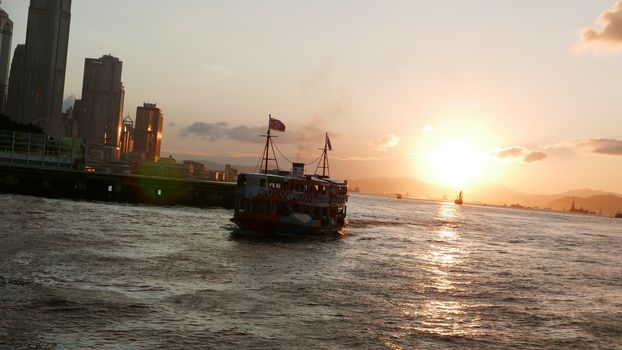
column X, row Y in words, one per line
column 290, row 202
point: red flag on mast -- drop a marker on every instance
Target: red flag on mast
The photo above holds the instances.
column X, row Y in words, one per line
column 276, row 124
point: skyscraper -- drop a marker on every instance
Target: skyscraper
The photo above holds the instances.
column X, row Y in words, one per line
column 148, row 131
column 127, row 135
column 100, row 110
column 40, row 95
column 16, row 83
column 6, row 33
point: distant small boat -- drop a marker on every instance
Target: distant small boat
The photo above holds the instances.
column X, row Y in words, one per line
column 574, row 209
column 618, row 216
column 398, row 196
column 459, row 199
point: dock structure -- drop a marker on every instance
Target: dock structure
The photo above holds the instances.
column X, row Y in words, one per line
column 40, row 165
column 67, row 183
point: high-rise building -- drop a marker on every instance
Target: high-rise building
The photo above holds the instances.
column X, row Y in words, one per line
column 127, row 135
column 41, row 86
column 6, row 33
column 15, row 96
column 148, row 131
column 100, row 110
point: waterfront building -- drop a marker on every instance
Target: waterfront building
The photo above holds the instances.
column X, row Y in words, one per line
column 196, row 170
column 100, row 110
column 127, row 136
column 148, row 131
column 216, row 175
column 231, row 173
column 38, row 96
column 6, row 33
column 15, row 96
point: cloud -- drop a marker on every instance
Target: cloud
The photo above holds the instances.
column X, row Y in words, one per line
column 509, row 152
column 246, row 134
column 535, row 156
column 68, row 102
column 517, row 153
column 609, row 36
column 222, row 130
column 310, row 136
column 209, row 131
column 612, row 147
column 384, row 143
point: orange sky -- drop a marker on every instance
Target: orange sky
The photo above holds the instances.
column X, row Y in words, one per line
column 521, row 93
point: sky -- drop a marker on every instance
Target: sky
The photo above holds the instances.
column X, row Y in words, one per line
column 522, row 93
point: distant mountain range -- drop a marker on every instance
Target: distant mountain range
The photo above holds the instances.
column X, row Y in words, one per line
column 605, row 203
column 491, row 193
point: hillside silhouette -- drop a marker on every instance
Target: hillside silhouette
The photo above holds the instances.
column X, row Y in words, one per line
column 491, row 193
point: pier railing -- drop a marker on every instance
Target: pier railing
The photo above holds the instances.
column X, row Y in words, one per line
column 41, row 150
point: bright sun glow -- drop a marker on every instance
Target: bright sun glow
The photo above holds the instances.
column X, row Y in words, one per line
column 456, row 163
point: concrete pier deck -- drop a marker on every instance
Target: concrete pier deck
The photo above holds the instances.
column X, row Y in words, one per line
column 68, row 183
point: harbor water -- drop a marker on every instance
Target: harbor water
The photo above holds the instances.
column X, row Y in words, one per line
column 407, row 274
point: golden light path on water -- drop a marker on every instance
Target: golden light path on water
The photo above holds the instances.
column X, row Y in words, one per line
column 442, row 311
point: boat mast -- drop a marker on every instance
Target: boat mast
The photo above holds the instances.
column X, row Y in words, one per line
column 266, row 151
column 324, row 158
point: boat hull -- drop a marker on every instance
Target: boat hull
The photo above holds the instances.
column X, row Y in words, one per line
column 269, row 224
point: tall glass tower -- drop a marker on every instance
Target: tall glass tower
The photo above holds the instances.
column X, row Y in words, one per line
column 40, row 97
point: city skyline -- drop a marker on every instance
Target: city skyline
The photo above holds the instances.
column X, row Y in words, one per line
column 40, row 66
column 531, row 106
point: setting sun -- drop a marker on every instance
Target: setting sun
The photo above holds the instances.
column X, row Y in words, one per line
column 455, row 163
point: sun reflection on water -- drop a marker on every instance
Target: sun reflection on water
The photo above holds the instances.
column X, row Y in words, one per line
column 441, row 310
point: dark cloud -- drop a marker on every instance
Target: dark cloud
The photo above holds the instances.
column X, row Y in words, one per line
column 535, row 156
column 206, row 131
column 604, row 146
column 609, row 36
column 246, row 134
column 222, row 130
column 307, row 138
column 518, row 153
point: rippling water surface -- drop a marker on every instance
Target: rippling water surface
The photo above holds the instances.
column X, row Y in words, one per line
column 408, row 274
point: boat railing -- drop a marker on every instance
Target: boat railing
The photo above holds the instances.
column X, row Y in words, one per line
column 297, row 196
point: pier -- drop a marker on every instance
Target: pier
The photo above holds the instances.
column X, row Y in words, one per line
column 41, row 165
column 125, row 188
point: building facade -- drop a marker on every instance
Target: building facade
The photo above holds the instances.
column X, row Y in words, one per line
column 148, row 131
column 6, row 33
column 127, row 136
column 38, row 98
column 99, row 112
column 15, row 97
